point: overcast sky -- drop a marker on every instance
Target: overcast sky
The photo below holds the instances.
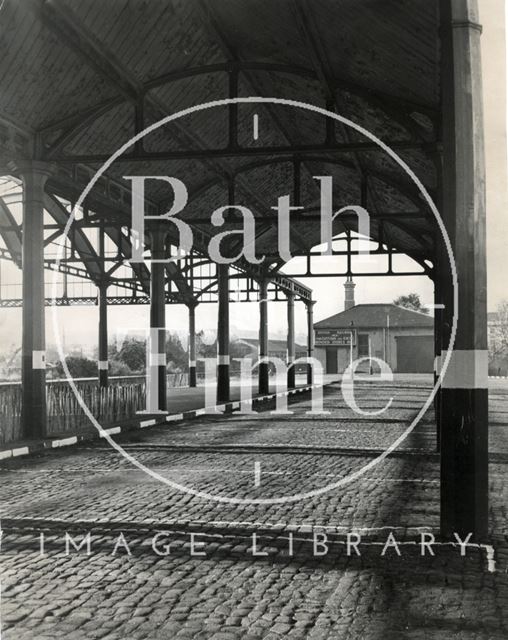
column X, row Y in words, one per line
column 81, row 323
column 492, row 16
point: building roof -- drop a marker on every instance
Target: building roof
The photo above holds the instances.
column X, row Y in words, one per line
column 273, row 345
column 375, row 315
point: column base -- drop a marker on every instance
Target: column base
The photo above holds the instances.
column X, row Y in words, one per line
column 103, row 378
column 223, row 393
column 291, row 377
column 162, row 388
column 437, row 414
column 464, row 463
column 33, row 402
column 264, row 378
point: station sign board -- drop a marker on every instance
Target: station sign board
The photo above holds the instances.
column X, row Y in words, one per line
column 334, row 337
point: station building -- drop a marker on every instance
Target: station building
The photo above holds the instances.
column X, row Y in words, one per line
column 401, row 337
column 276, row 349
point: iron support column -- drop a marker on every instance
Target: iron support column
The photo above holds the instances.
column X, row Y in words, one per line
column 103, row 335
column 33, row 362
column 438, row 330
column 223, row 334
column 464, row 407
column 291, row 340
column 442, row 271
column 192, row 345
column 264, row 367
column 310, row 339
column 158, row 316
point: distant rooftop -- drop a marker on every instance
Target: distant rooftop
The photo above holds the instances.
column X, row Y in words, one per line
column 273, row 345
column 375, row 315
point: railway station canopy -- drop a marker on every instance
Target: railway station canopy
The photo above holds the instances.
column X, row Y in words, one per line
column 95, row 74
column 338, row 105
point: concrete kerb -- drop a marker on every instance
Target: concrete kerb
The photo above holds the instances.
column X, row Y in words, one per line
column 46, row 444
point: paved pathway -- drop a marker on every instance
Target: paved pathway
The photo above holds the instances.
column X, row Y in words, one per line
column 291, row 592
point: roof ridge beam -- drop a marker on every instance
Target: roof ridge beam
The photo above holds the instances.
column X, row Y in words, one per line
column 62, row 21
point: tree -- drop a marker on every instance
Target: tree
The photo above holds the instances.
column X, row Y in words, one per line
column 118, row 368
column 498, row 332
column 79, row 367
column 204, row 349
column 10, row 362
column 133, row 354
column 176, row 355
column 411, row 301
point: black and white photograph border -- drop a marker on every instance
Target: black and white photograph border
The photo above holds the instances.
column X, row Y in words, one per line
column 299, row 429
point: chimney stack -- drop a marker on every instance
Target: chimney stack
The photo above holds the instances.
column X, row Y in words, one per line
column 349, row 288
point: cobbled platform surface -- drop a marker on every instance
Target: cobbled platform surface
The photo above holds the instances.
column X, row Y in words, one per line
column 274, row 568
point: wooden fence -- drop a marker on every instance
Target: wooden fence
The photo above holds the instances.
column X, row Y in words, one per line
column 119, row 401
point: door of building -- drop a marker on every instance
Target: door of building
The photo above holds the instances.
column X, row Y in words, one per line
column 415, row 354
column 363, row 345
column 331, row 360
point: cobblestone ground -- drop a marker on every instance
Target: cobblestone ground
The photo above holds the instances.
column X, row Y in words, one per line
column 278, row 569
